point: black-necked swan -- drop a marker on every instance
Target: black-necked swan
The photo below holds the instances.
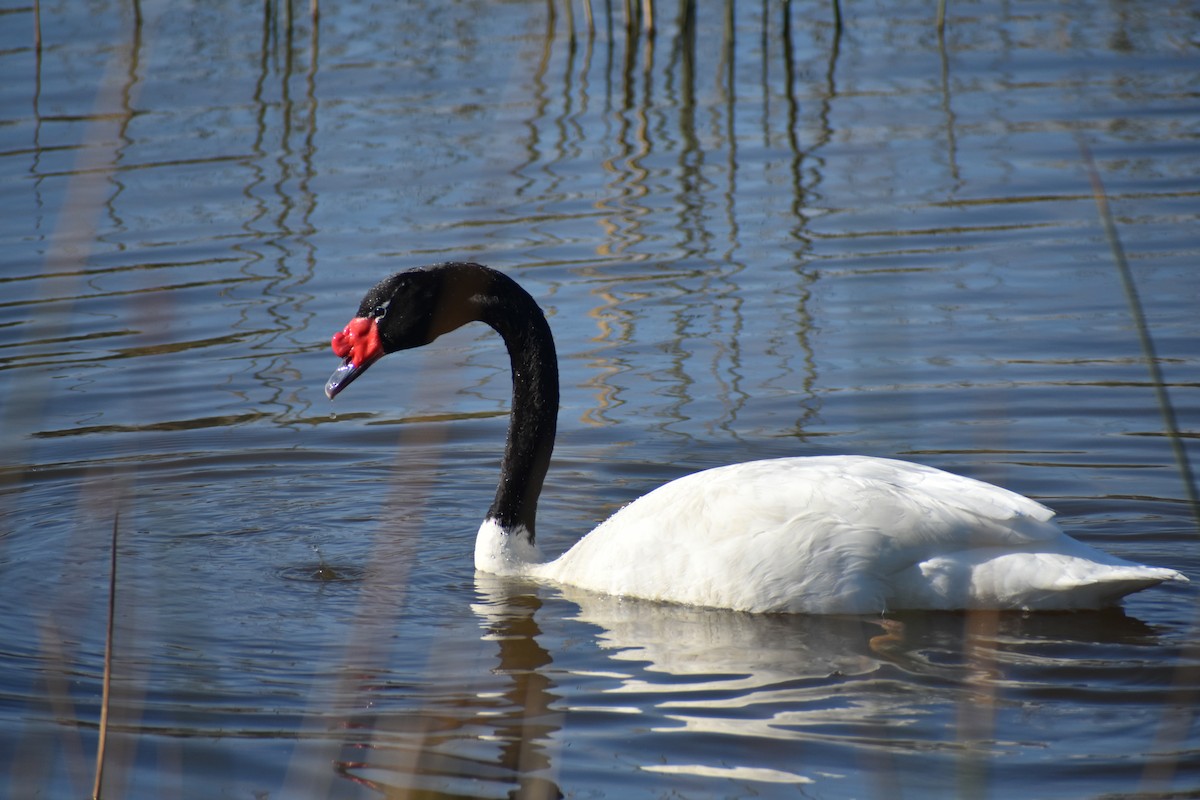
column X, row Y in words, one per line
column 816, row 534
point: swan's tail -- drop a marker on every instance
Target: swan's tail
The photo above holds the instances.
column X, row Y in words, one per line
column 1031, row 581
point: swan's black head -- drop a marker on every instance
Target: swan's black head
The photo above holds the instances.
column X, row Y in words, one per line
column 406, row 310
column 411, row 309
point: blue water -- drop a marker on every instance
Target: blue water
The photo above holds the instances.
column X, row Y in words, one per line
column 754, row 235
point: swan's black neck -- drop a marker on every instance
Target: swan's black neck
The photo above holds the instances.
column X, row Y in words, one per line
column 533, row 421
column 472, row 292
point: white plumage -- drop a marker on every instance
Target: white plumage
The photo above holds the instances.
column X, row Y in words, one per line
column 831, row 534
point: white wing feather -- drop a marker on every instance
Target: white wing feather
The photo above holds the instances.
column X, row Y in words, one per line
column 843, row 534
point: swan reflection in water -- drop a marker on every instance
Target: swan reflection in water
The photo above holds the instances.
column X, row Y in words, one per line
column 690, row 696
column 792, row 698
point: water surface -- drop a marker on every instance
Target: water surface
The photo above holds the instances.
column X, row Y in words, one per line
column 754, row 234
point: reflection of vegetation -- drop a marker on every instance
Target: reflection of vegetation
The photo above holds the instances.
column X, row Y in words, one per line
column 671, row 201
column 726, row 157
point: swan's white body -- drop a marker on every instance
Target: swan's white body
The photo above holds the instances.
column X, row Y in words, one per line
column 830, row 534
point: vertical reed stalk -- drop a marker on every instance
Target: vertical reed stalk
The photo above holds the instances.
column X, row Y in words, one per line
column 108, row 650
column 1171, row 427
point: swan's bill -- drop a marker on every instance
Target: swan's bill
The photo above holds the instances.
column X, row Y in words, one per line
column 343, row 376
column 359, row 346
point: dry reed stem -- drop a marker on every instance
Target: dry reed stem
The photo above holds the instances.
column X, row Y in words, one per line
column 1171, row 427
column 108, row 649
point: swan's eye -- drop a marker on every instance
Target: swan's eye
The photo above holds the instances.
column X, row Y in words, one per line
column 379, row 311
